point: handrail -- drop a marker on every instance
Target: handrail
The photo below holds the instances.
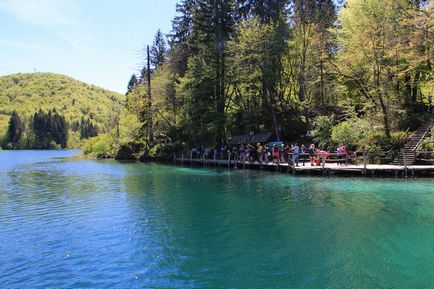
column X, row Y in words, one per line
column 422, row 138
column 406, row 134
column 405, row 137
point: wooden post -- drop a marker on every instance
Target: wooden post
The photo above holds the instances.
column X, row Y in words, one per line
column 174, row 157
column 405, row 163
column 182, row 158
column 323, row 164
column 364, row 163
column 229, row 159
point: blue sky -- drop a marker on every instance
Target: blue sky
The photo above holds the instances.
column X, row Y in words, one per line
column 97, row 41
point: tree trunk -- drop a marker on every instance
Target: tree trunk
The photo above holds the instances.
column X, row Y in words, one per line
column 321, row 88
column 270, row 102
column 415, row 89
column 302, row 89
column 273, row 115
column 407, row 80
column 386, row 124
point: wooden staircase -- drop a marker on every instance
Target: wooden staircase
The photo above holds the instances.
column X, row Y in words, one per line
column 409, row 148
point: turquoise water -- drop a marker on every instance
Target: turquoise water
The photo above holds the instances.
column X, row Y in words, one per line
column 68, row 223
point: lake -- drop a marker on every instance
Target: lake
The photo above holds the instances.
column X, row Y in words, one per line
column 71, row 223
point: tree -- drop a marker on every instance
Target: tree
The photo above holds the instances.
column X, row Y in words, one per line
column 87, row 129
column 211, row 27
column 256, row 55
column 15, row 129
column 132, row 83
column 367, row 36
column 313, row 45
column 182, row 24
column 180, row 37
column 158, row 50
column 48, row 128
column 265, row 10
column 414, row 75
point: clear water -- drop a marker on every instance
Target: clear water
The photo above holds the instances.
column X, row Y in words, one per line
column 68, row 223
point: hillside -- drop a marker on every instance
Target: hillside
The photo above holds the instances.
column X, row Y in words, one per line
column 26, row 93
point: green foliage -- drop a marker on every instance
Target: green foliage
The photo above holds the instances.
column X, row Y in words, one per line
column 355, row 133
column 87, row 128
column 428, row 143
column 48, row 129
column 321, row 132
column 101, row 146
column 27, row 93
column 132, row 83
column 363, row 134
column 256, row 55
column 286, row 67
column 122, row 142
column 15, row 130
column 165, row 151
column 383, row 58
column 412, row 120
column 158, row 50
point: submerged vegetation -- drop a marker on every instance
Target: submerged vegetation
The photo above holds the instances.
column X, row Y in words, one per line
column 360, row 73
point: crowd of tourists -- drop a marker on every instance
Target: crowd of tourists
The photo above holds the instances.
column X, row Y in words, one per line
column 276, row 153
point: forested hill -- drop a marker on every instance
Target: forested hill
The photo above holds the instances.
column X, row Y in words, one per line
column 78, row 102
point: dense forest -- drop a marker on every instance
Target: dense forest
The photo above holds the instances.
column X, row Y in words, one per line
column 44, row 110
column 358, row 72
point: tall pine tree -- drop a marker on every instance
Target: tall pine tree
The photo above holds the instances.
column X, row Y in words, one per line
column 15, row 130
column 158, row 50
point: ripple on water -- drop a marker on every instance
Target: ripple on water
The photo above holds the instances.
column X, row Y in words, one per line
column 68, row 223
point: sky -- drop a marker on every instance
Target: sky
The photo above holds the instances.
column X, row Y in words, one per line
column 100, row 42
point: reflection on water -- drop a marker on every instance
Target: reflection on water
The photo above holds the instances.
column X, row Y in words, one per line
column 68, row 223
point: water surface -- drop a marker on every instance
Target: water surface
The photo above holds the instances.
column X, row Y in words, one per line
column 68, row 223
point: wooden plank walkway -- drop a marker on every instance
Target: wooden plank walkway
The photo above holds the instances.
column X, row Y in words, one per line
column 328, row 169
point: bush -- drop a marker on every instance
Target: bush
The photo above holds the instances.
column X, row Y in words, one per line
column 412, row 120
column 101, row 146
column 130, row 151
column 428, row 143
column 355, row 133
column 54, row 146
column 165, row 151
column 321, row 131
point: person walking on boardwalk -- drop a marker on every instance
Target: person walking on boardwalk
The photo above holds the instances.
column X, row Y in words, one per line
column 339, row 153
column 260, row 153
column 311, row 152
column 296, row 154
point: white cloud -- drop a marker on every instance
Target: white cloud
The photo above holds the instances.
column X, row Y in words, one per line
column 61, row 18
column 41, row 12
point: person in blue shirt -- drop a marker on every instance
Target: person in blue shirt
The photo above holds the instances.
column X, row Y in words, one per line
column 296, row 154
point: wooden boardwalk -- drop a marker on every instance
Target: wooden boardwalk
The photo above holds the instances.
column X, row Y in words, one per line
column 327, row 169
